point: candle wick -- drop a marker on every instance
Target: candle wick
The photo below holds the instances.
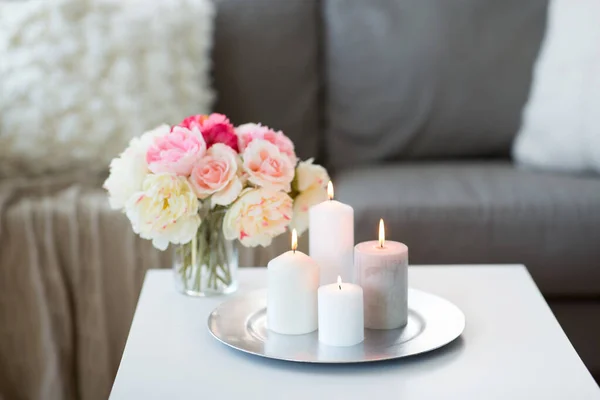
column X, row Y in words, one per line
column 293, row 251
column 340, row 286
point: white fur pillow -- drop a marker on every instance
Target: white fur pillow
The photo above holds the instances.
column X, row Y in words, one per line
column 561, row 122
column 79, row 78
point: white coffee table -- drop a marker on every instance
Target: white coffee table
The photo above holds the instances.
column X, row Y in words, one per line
column 512, row 348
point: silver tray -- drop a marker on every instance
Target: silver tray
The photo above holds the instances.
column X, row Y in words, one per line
column 241, row 323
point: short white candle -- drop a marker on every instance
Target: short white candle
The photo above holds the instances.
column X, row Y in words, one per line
column 341, row 320
column 331, row 239
column 292, row 284
column 382, row 271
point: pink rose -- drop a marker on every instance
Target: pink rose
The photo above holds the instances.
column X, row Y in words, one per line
column 248, row 132
column 176, row 152
column 216, row 174
column 215, row 128
column 193, row 121
column 267, row 167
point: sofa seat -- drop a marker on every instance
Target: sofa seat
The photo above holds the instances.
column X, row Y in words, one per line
column 580, row 319
column 485, row 212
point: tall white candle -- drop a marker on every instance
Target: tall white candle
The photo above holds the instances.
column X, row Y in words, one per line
column 331, row 239
column 341, row 320
column 382, row 272
column 292, row 283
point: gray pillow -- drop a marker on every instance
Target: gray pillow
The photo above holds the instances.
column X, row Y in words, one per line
column 427, row 78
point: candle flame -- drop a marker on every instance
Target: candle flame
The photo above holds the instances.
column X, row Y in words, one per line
column 294, row 240
column 381, row 233
column 339, row 282
column 330, row 190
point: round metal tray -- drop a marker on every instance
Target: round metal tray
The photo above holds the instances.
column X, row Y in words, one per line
column 241, row 323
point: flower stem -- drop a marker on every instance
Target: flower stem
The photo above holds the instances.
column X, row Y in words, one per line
column 205, row 260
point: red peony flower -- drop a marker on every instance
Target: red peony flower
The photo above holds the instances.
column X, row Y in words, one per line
column 215, row 128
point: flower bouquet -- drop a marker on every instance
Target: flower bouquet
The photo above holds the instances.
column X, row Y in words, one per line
column 203, row 184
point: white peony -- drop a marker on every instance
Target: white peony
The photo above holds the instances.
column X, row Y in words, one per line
column 257, row 217
column 309, row 174
column 164, row 211
column 303, row 202
column 128, row 171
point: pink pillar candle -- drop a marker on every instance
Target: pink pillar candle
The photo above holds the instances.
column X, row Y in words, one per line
column 382, row 272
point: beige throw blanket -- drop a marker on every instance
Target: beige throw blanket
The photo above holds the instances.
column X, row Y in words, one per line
column 70, row 274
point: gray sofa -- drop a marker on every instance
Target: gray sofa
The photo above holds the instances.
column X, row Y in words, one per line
column 413, row 105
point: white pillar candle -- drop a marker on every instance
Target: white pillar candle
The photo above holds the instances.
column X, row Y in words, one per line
column 331, row 239
column 292, row 284
column 341, row 320
column 382, row 271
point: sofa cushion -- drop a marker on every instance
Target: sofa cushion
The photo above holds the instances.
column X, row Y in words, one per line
column 485, row 213
column 427, row 78
column 266, row 66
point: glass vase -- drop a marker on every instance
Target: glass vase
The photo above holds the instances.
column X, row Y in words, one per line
column 208, row 265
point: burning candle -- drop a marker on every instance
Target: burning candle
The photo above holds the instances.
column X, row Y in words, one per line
column 331, row 238
column 382, row 271
column 292, row 283
column 341, row 320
